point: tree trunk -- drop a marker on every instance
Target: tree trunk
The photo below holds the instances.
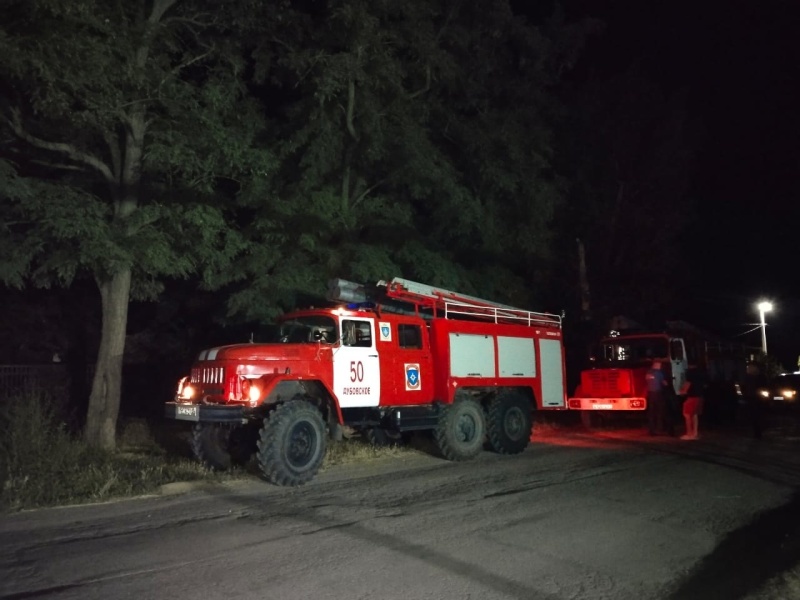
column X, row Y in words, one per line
column 115, row 291
column 104, row 401
column 583, row 283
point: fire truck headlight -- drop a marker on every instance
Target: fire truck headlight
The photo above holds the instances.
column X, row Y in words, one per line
column 254, row 393
column 185, row 391
column 250, row 391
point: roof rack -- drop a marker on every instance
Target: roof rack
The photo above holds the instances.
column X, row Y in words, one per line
column 453, row 304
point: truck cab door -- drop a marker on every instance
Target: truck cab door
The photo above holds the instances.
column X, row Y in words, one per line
column 356, row 367
column 679, row 363
column 408, row 367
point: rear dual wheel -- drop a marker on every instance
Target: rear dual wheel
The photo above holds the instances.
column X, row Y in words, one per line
column 591, row 419
column 509, row 423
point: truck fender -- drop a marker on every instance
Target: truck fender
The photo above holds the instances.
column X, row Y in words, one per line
column 271, row 385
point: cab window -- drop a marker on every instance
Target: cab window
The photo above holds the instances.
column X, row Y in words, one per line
column 676, row 349
column 308, row 329
column 357, row 333
column 409, row 336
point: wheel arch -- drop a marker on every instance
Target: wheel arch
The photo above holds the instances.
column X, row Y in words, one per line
column 312, row 390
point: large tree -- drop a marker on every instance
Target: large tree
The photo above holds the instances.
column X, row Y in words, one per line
column 409, row 138
column 124, row 119
column 414, row 140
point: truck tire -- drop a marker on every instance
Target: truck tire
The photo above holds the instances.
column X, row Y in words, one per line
column 461, row 430
column 508, row 423
column 384, row 438
column 220, row 446
column 591, row 419
column 292, row 443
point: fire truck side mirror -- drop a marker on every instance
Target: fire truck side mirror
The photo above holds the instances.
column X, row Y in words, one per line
column 320, row 335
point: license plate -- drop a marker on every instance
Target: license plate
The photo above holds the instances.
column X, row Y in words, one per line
column 778, row 398
column 187, row 412
column 602, row 406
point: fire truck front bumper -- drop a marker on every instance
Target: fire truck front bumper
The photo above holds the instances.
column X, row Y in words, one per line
column 204, row 413
column 638, row 403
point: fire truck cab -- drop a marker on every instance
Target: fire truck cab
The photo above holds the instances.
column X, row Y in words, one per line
column 408, row 357
column 615, row 380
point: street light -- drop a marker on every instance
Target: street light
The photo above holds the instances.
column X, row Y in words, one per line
column 764, row 307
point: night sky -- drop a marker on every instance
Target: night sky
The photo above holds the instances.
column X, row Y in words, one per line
column 739, row 62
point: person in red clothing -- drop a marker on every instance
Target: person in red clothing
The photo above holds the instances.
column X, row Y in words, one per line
column 692, row 408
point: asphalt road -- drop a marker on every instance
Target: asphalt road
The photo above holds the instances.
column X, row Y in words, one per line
column 611, row 516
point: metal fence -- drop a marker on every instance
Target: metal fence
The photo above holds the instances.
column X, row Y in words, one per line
column 144, row 388
column 15, row 379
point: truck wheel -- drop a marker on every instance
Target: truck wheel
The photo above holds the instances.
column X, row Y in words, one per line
column 509, row 423
column 219, row 446
column 292, row 443
column 590, row 419
column 384, row 438
column 460, row 431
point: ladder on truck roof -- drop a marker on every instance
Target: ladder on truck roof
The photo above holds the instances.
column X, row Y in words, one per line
column 452, row 304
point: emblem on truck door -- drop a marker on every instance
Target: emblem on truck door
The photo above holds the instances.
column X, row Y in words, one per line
column 412, row 376
column 386, row 331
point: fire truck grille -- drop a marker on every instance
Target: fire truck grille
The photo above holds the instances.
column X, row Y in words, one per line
column 208, row 375
column 602, row 383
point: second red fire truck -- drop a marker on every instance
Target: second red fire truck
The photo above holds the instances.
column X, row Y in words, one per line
column 409, row 357
column 616, row 379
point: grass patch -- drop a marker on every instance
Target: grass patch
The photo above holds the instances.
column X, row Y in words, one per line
column 357, row 450
column 42, row 463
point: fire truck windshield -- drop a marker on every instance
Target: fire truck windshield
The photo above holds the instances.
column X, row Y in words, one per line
column 633, row 350
column 307, row 330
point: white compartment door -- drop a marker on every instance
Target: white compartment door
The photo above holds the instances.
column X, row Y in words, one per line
column 471, row 355
column 552, row 373
column 516, row 356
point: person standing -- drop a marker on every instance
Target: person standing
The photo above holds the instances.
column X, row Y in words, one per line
column 692, row 407
column 656, row 398
column 754, row 382
column 670, row 401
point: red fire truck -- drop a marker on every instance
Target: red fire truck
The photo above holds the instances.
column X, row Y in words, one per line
column 616, row 379
column 415, row 357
